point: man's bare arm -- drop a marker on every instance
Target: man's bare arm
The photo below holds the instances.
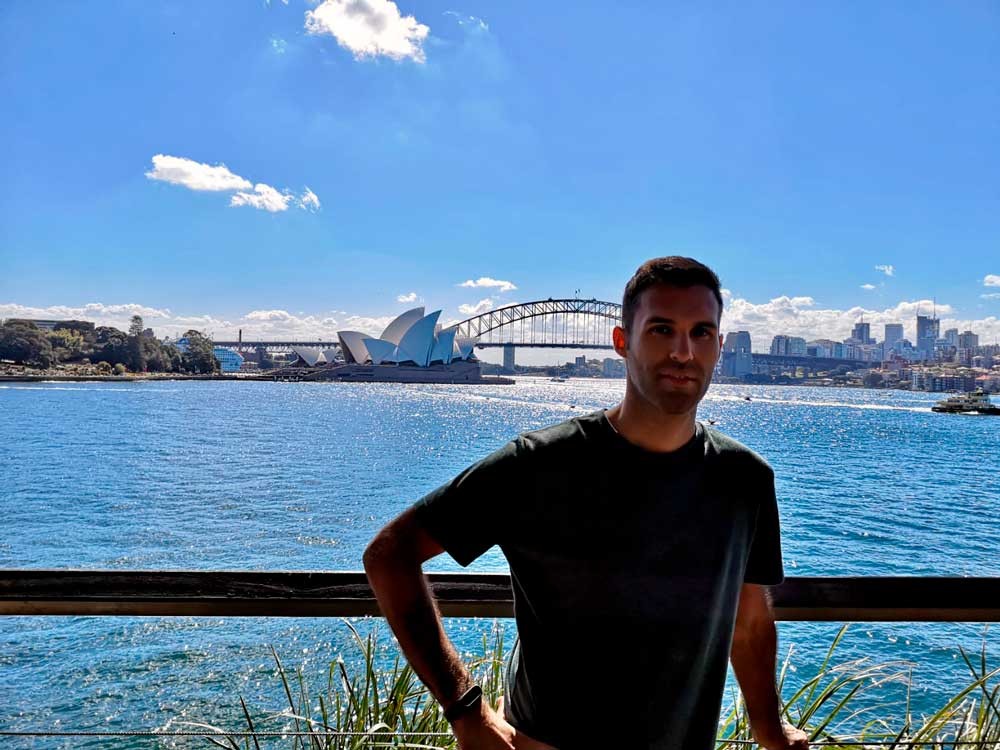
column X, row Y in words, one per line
column 753, row 655
column 393, row 562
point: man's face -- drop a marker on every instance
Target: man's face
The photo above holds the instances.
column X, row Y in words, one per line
column 673, row 345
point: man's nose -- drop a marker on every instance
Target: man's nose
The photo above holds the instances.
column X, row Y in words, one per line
column 682, row 350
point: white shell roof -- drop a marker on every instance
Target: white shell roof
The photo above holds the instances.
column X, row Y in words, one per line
column 352, row 344
column 418, row 341
column 410, row 337
column 309, row 355
column 395, row 331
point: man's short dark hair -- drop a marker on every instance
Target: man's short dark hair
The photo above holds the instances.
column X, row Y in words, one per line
column 673, row 270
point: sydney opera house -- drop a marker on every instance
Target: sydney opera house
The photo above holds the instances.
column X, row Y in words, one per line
column 413, row 348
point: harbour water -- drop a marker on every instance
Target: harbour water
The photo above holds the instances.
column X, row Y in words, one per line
column 230, row 475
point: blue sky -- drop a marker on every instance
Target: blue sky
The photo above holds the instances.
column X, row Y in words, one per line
column 554, row 147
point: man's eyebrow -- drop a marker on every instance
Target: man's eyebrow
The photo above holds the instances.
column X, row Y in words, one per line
column 702, row 323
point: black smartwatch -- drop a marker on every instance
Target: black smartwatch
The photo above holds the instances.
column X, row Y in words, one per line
column 467, row 701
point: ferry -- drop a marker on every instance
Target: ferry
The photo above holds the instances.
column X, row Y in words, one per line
column 976, row 402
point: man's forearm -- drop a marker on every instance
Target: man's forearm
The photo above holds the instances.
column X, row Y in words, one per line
column 408, row 605
column 753, row 657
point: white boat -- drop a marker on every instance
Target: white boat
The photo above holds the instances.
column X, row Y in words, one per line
column 977, row 402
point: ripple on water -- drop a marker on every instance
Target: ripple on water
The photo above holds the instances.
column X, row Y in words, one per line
column 298, row 476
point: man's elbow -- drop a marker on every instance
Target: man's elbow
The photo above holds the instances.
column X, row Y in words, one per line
column 382, row 552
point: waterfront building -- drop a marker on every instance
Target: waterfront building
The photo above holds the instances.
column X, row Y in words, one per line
column 737, row 357
column 411, row 338
column 230, row 360
column 893, row 333
column 941, row 381
column 613, row 367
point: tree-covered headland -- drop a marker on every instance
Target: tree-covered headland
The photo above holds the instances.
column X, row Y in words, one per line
column 110, row 349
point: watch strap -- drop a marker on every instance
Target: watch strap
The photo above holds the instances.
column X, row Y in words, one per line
column 464, row 703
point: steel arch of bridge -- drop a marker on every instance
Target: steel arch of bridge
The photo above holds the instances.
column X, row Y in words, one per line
column 572, row 323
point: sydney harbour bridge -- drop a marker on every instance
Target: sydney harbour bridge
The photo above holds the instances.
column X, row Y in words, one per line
column 552, row 324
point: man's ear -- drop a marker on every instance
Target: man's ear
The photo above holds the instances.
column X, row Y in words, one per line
column 619, row 338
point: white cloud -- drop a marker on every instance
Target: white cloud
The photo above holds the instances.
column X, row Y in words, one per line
column 991, row 279
column 886, row 269
column 279, row 45
column 411, row 297
column 118, row 315
column 869, row 287
column 369, row 28
column 309, row 200
column 994, row 295
column 487, row 282
column 264, row 197
column 480, row 307
column 194, row 175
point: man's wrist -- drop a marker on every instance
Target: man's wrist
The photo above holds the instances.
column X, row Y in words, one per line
column 469, row 722
column 467, row 703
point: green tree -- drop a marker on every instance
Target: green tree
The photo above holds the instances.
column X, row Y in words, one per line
column 199, row 357
column 25, row 343
column 67, row 344
column 111, row 346
column 136, row 358
column 872, row 380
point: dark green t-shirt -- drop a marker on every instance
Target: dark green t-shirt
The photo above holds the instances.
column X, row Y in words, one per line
column 626, row 566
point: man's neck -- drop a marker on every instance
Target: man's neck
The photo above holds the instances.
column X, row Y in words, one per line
column 643, row 424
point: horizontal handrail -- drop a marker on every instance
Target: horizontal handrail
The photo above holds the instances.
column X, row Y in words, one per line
column 347, row 594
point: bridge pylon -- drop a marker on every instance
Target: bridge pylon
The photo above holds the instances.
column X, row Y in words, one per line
column 508, row 357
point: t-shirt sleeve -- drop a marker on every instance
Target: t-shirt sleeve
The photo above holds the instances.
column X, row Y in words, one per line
column 764, row 562
column 466, row 515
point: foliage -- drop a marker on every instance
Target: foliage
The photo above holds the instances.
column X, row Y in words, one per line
column 136, row 354
column 388, row 707
column 66, row 344
column 872, row 380
column 199, row 357
column 25, row 344
column 79, row 341
column 119, row 369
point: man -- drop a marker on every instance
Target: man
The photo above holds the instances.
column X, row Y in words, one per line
column 639, row 543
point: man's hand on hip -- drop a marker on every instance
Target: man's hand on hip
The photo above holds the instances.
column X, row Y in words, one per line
column 487, row 729
column 783, row 737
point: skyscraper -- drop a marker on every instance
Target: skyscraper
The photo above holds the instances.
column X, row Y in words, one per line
column 893, row 333
column 928, row 331
column 862, row 332
column 737, row 360
column 967, row 340
column 951, row 336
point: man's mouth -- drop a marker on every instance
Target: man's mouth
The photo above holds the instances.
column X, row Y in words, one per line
column 677, row 378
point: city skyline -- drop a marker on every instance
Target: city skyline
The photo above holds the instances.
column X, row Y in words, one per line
column 278, row 170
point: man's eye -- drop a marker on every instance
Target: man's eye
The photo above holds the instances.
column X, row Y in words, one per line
column 701, row 332
column 661, row 329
